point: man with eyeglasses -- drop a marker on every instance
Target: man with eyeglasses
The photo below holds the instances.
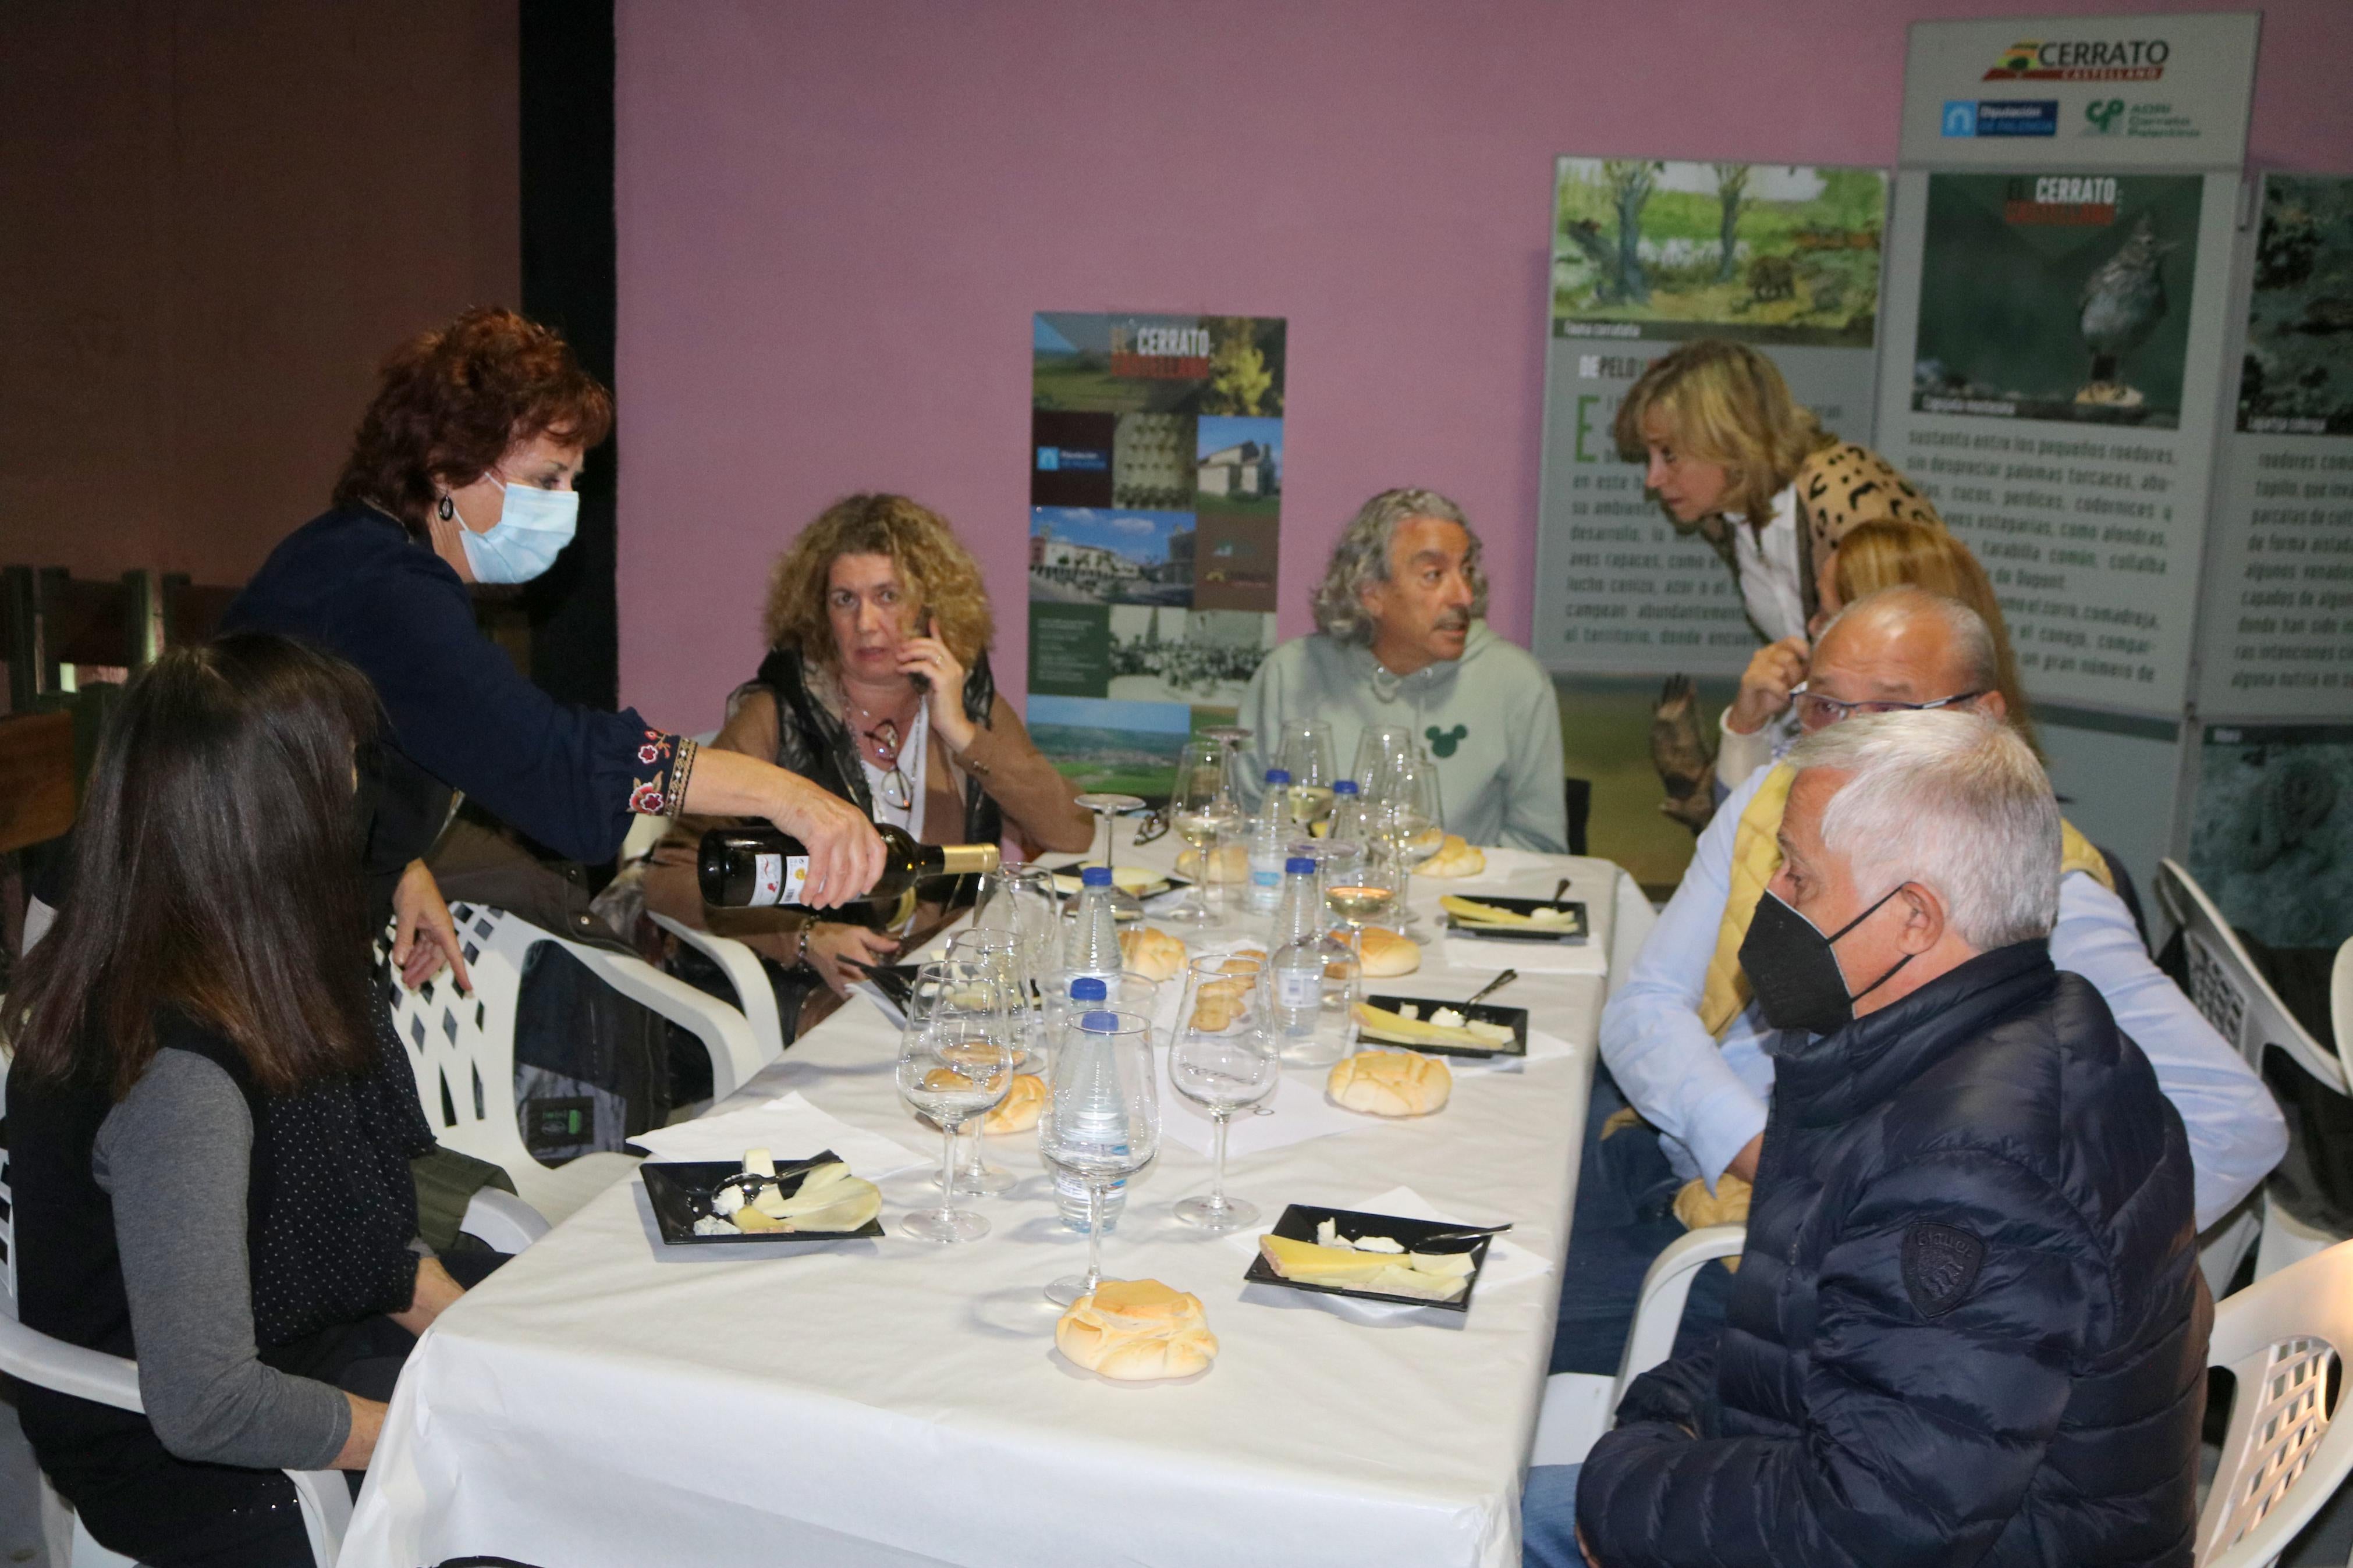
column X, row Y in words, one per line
column 1678, row 1119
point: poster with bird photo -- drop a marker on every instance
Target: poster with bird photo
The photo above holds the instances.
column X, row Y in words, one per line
column 2057, row 297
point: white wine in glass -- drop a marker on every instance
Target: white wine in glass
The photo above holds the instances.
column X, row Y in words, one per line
column 1359, row 905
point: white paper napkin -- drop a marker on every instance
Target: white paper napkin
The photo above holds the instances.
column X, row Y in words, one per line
column 1527, row 957
column 792, row 1128
column 1300, row 1111
column 1542, row 1047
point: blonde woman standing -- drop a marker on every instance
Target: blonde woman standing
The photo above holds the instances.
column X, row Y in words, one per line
column 1727, row 451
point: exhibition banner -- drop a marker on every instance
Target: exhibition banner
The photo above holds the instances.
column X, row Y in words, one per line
column 1647, row 254
column 1155, row 494
column 2057, row 322
column 2278, row 631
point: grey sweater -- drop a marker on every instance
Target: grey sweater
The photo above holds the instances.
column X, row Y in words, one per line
column 175, row 1157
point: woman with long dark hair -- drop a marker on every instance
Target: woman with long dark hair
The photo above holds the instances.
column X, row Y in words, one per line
column 209, row 1125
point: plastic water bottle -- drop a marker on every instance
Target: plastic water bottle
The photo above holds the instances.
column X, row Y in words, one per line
column 1088, row 994
column 1269, row 834
column 1348, row 813
column 1298, row 940
column 1090, row 946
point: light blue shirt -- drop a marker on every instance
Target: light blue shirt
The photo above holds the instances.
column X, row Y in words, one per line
column 1707, row 1099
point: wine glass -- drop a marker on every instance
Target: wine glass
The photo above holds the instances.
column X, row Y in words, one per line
column 953, row 1066
column 1305, row 753
column 997, row 955
column 1101, row 1122
column 1379, row 746
column 1204, row 808
column 1413, row 826
column 1124, row 906
column 1223, row 1057
column 1370, row 893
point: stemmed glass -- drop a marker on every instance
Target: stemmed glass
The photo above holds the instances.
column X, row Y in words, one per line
column 1376, row 748
column 1412, row 824
column 1205, row 809
column 1124, row 906
column 1222, row 1055
column 1370, row 893
column 1021, row 899
column 1101, row 1119
column 998, row 955
column 953, row 1066
column 1305, row 753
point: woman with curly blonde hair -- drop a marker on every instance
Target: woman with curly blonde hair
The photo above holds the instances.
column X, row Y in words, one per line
column 877, row 686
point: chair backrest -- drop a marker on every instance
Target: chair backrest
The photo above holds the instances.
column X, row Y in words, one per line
column 462, row 1047
column 2340, row 1005
column 7, row 1209
column 2126, row 893
column 2283, row 1456
column 2227, row 987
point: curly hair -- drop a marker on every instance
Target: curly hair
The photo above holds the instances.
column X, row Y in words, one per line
column 451, row 403
column 939, row 576
column 1361, row 559
column 1725, row 403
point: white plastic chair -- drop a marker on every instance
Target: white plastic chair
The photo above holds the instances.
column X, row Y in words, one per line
column 31, row 1356
column 462, row 1051
column 1631, row 918
column 2226, row 986
column 1578, row 1407
column 2340, row 1005
column 754, row 996
column 2284, row 1457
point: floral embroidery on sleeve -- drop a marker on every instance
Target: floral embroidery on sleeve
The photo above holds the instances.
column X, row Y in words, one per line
column 671, row 759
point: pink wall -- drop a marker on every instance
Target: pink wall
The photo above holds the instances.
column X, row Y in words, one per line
column 837, row 219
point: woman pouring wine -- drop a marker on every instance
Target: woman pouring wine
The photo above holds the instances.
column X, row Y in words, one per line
column 876, row 686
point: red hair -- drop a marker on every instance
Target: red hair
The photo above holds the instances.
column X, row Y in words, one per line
column 451, row 403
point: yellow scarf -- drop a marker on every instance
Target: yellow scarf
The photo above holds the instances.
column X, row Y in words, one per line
column 1756, row 855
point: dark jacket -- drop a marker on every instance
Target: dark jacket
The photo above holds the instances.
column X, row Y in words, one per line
column 461, row 716
column 1969, row 1327
column 816, row 745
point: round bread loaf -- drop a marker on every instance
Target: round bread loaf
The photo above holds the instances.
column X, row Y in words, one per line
column 1137, row 1331
column 1155, row 954
column 1387, row 954
column 1019, row 1111
column 1391, row 1083
column 1460, row 857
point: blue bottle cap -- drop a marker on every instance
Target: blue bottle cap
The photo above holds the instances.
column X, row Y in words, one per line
column 1087, row 988
column 1299, row 865
column 1100, row 1023
column 1277, row 775
column 1345, row 786
column 1095, row 877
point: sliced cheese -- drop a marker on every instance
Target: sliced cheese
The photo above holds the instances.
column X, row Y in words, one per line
column 1349, row 1269
column 1408, row 1030
column 1472, row 912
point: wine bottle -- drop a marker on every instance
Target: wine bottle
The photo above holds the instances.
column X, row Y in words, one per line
column 761, row 867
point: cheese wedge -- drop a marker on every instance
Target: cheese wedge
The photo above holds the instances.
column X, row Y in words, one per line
column 1472, row 912
column 1385, row 1024
column 1384, row 1273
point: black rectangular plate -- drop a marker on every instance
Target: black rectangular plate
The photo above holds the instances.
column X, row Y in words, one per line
column 1513, row 1018
column 1299, row 1222
column 1574, row 932
column 681, row 1191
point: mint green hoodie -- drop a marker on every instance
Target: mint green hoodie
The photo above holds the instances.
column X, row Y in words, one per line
column 1488, row 718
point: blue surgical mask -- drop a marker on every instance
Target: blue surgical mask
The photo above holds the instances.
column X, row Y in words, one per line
column 533, row 527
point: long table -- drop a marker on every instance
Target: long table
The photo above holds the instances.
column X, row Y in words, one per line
column 606, row 1400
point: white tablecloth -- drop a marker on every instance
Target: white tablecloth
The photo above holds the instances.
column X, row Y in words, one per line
column 606, row 1400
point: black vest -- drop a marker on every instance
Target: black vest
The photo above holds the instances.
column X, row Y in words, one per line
column 331, row 1209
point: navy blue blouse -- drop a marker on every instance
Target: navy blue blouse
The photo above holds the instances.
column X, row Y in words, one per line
column 571, row 777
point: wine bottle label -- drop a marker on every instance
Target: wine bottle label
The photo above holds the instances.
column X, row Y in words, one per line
column 777, row 880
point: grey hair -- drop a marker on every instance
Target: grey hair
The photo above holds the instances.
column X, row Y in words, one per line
column 1361, row 559
column 1972, row 639
column 1950, row 799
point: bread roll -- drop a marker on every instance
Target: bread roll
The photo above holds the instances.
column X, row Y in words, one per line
column 1460, row 857
column 1391, row 1083
column 1019, row 1111
column 1137, row 1331
column 1233, row 864
column 1155, row 954
column 1387, row 954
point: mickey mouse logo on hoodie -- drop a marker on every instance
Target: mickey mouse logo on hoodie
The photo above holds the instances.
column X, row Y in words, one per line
column 1443, row 742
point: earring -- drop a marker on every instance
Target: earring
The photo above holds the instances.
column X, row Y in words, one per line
column 448, row 509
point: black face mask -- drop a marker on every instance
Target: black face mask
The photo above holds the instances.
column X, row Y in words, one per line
column 1794, row 973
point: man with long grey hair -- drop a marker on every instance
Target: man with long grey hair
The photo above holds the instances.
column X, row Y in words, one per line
column 1968, row 1325
column 1402, row 640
